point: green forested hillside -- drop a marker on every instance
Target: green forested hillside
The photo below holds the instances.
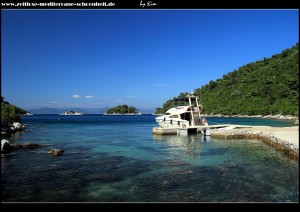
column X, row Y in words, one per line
column 10, row 113
column 265, row 87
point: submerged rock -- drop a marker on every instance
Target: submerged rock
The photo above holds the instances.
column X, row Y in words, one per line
column 24, row 146
column 30, row 146
column 6, row 147
column 56, row 152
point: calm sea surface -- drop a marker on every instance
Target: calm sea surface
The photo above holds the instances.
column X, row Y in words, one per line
column 118, row 159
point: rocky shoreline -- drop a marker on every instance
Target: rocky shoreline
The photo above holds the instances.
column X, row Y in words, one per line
column 7, row 147
column 285, row 139
column 12, row 128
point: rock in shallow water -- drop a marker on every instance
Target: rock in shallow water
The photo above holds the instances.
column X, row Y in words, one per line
column 5, row 146
column 56, row 152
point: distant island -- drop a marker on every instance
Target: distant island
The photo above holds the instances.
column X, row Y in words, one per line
column 122, row 110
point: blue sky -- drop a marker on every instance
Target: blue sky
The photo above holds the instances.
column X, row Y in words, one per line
column 100, row 58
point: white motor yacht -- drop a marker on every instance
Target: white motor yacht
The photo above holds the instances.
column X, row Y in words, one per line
column 71, row 113
column 183, row 116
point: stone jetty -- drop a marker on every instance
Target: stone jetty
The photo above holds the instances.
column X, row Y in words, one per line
column 282, row 138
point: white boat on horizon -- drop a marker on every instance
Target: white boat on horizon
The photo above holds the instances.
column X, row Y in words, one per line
column 27, row 114
column 183, row 116
column 71, row 113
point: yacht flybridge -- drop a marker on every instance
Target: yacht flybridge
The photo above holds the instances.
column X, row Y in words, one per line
column 184, row 116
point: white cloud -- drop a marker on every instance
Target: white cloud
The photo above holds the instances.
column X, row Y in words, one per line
column 119, row 100
column 89, row 97
column 130, row 96
column 76, row 96
column 160, row 85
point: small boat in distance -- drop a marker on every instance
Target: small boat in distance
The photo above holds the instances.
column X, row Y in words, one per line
column 27, row 114
column 71, row 113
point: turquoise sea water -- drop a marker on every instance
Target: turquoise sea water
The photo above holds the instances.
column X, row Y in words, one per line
column 118, row 159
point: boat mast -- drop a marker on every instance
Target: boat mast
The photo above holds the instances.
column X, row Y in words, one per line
column 198, row 109
column 192, row 113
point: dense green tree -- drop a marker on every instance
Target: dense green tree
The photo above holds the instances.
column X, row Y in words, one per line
column 264, row 87
column 122, row 109
column 10, row 113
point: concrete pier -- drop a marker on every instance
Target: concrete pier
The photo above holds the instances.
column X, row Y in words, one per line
column 282, row 138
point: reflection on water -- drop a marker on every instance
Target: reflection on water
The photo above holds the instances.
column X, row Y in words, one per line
column 181, row 140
